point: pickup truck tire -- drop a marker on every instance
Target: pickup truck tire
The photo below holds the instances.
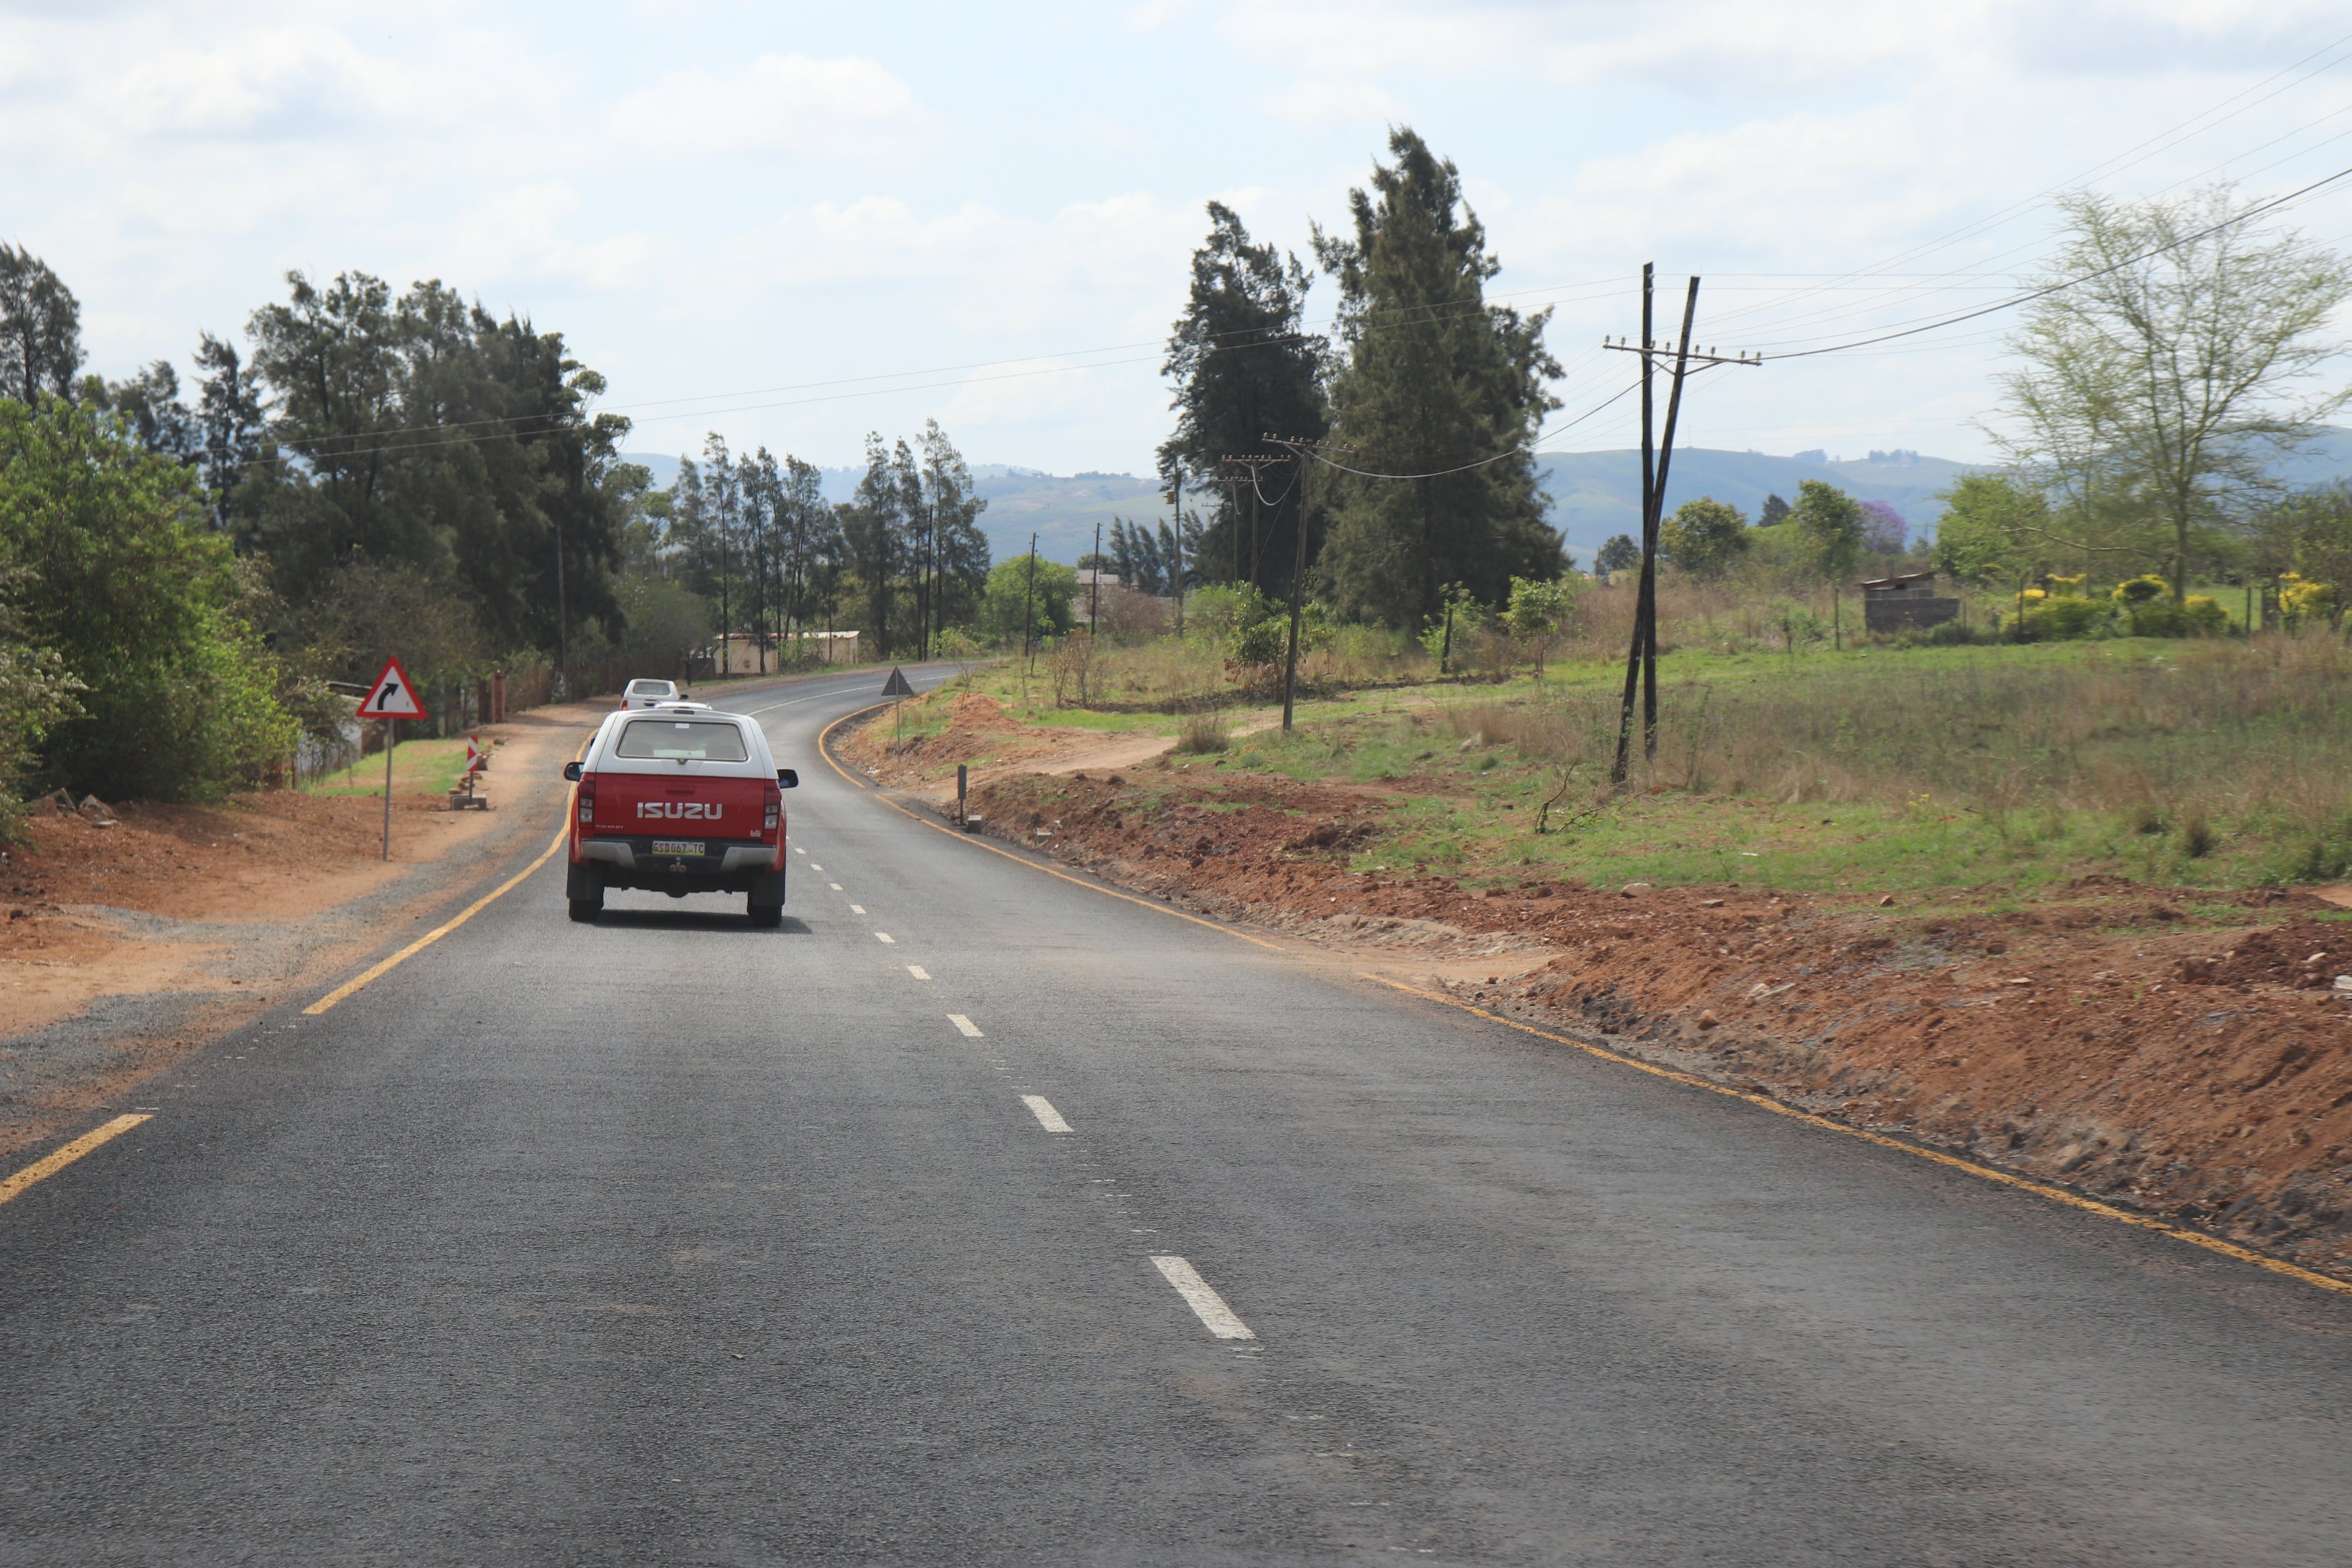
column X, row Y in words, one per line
column 586, row 911
column 766, row 916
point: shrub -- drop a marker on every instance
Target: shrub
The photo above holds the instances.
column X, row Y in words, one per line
column 2143, row 590
column 1202, row 732
column 2200, row 616
column 2059, row 617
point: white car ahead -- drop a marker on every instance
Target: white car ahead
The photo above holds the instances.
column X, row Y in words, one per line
column 644, row 693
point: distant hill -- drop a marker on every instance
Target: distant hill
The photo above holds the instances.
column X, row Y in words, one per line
column 1597, row 494
column 1594, row 494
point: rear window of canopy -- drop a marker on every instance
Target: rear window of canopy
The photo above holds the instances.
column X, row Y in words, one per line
column 681, row 740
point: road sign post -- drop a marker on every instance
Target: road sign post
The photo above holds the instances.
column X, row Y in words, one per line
column 392, row 697
column 897, row 686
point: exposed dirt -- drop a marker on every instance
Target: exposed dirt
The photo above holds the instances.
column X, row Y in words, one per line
column 2192, row 1065
column 980, row 733
column 124, row 945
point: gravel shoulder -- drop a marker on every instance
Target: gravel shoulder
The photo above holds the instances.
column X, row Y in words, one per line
column 124, row 947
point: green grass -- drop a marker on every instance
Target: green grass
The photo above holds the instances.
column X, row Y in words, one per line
column 419, row 767
column 1911, row 770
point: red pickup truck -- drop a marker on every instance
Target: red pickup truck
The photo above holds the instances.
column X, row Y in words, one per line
column 679, row 799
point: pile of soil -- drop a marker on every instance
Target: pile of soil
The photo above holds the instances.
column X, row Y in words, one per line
column 2191, row 1065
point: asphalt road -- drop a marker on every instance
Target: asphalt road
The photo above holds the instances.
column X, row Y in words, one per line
column 668, row 1240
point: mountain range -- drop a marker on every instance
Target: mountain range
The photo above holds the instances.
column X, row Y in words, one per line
column 1593, row 494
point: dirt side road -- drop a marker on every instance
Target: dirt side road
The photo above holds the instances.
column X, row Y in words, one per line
column 123, row 947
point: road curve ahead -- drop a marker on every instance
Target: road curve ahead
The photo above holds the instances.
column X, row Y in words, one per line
column 978, row 1215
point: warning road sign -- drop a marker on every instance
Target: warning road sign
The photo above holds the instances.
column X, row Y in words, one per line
column 392, row 695
column 897, row 685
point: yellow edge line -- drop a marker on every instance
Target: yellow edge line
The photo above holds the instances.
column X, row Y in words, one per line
column 57, row 1160
column 376, row 972
column 825, row 751
column 1987, row 1172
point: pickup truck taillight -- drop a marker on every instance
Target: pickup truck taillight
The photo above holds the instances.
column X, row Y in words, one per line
column 775, row 800
column 587, row 805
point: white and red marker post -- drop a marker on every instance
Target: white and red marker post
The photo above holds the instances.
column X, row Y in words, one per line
column 392, row 697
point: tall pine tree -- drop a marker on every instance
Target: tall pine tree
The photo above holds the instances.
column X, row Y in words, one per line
column 1435, row 382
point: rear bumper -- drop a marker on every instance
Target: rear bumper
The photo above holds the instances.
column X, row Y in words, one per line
column 633, row 854
column 727, row 869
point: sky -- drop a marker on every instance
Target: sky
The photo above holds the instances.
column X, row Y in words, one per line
column 791, row 224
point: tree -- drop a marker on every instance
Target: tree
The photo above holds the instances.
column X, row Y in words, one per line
column 1619, row 555
column 1774, row 512
column 1243, row 366
column 1535, row 613
column 229, row 423
column 40, row 328
column 2156, row 390
column 149, row 403
column 144, row 607
column 956, row 570
column 431, row 435
column 1012, row 608
column 1438, row 383
column 1993, row 529
column 1883, row 529
column 1703, row 538
column 1831, row 525
column 875, row 526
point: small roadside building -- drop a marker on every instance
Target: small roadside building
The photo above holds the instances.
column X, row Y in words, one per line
column 1906, row 602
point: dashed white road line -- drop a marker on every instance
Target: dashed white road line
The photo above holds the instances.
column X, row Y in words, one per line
column 859, row 910
column 1042, row 1110
column 814, row 866
column 834, row 886
column 919, row 972
column 970, row 1030
column 798, row 850
column 883, row 935
column 1206, row 1304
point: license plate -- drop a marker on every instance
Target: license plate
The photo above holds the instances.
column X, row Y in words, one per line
column 678, row 846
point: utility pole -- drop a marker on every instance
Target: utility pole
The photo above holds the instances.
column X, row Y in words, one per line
column 1176, row 572
column 1028, row 612
column 1094, row 585
column 1641, row 658
column 1302, row 452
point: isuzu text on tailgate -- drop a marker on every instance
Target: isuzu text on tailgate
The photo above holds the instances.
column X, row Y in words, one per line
column 678, row 799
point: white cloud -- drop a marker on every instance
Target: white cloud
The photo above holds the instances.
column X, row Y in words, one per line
column 779, row 104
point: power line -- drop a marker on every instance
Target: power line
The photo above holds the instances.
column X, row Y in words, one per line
column 2043, row 293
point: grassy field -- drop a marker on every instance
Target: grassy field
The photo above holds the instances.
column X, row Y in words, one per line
column 2205, row 763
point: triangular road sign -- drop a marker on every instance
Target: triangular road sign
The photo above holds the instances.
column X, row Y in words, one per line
column 897, row 686
column 392, row 695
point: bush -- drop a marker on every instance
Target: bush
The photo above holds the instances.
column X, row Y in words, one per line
column 2060, row 619
column 1201, row 733
column 2200, row 616
column 141, row 603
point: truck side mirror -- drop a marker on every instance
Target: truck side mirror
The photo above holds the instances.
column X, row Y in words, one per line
column 571, row 771
column 787, row 779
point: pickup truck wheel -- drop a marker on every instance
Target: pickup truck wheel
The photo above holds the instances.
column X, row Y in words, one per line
column 586, row 911
column 769, row 916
